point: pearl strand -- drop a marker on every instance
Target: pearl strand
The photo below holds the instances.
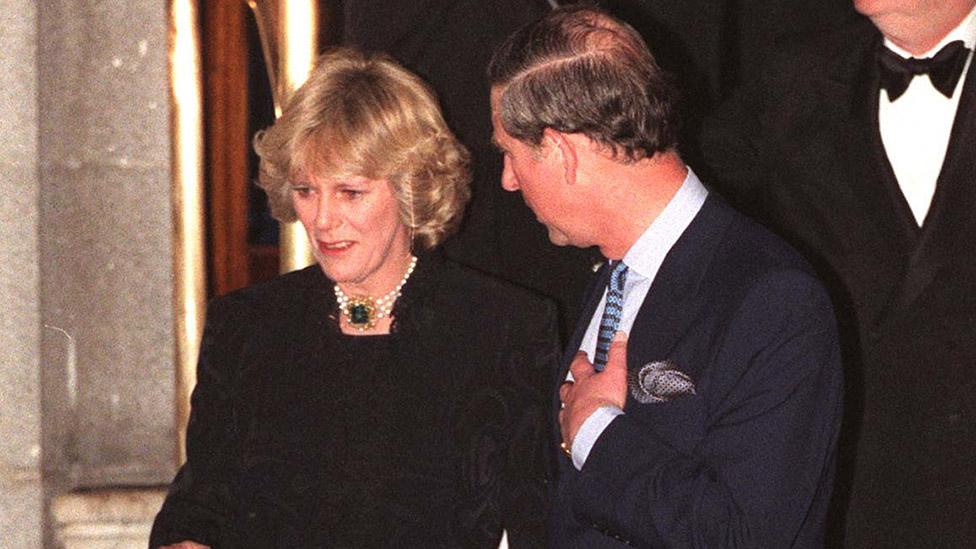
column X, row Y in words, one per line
column 382, row 306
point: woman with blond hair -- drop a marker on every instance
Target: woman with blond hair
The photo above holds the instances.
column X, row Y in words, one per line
column 384, row 397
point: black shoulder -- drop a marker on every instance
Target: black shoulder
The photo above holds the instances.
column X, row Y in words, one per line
column 309, row 278
column 287, row 292
column 482, row 289
column 750, row 252
column 822, row 54
column 470, row 296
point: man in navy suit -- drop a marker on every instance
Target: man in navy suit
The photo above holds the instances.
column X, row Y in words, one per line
column 859, row 147
column 711, row 420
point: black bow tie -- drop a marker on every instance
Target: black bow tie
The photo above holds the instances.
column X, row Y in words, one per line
column 944, row 69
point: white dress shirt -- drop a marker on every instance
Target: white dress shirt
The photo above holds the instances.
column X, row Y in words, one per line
column 643, row 260
column 915, row 128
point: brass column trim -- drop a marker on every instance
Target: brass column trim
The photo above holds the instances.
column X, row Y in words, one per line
column 187, row 165
column 289, row 32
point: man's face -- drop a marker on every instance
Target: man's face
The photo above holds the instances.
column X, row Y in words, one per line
column 907, row 20
column 873, row 8
column 538, row 174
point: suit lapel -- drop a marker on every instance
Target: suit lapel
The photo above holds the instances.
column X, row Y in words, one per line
column 671, row 303
column 879, row 198
column 952, row 205
column 879, row 225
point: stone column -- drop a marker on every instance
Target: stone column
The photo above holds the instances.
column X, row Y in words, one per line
column 106, row 251
column 86, row 326
column 105, row 262
column 21, row 518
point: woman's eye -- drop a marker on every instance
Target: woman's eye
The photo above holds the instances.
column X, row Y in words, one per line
column 352, row 194
column 302, row 191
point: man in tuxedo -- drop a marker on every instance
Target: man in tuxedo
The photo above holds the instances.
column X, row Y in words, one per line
column 712, row 418
column 859, row 146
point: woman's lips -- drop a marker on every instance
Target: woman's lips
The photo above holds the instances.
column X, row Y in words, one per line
column 336, row 247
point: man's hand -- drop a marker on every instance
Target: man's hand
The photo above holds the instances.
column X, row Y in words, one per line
column 592, row 389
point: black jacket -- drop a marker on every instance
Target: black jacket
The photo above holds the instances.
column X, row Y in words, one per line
column 433, row 436
column 802, row 151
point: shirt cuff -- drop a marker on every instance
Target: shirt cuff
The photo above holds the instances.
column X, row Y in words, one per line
column 590, row 431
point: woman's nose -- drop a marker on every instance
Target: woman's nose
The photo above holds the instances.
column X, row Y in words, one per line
column 325, row 215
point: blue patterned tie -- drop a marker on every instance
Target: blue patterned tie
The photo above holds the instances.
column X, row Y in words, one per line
column 611, row 314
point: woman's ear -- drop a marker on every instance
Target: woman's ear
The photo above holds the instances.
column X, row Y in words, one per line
column 566, row 150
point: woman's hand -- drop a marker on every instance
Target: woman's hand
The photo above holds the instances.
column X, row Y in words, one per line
column 185, row 545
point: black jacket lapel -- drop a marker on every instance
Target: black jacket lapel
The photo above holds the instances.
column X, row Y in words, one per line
column 881, row 200
column 880, row 227
column 952, row 206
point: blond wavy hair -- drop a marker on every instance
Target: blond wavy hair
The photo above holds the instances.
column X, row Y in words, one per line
column 364, row 115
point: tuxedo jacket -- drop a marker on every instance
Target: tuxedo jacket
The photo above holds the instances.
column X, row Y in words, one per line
column 745, row 461
column 802, row 151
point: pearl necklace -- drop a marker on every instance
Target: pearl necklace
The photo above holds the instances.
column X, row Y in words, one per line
column 363, row 311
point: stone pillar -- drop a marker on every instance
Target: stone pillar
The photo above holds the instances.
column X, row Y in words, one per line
column 21, row 518
column 105, row 264
column 86, row 327
column 105, row 240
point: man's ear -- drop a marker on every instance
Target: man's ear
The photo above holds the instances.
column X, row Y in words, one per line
column 566, row 150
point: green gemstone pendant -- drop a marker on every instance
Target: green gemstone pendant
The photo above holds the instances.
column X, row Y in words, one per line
column 361, row 313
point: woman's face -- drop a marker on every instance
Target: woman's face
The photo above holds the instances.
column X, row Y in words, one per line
column 355, row 230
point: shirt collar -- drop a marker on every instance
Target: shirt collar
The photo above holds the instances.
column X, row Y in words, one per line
column 965, row 31
column 647, row 254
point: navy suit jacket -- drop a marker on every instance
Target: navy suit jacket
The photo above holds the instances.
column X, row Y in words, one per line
column 748, row 460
